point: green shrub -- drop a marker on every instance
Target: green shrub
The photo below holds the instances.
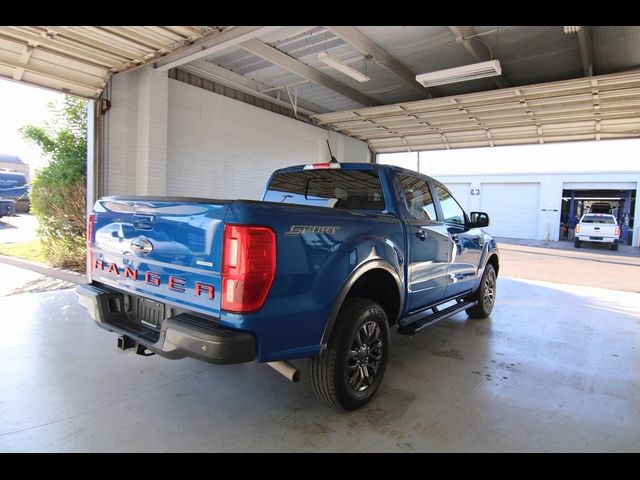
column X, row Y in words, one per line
column 58, row 191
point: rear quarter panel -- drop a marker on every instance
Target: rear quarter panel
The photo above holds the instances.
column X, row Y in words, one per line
column 311, row 270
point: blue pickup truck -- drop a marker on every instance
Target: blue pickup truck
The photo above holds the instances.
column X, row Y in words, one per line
column 13, row 186
column 332, row 258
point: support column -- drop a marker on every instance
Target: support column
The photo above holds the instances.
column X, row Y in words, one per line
column 572, row 206
column 626, row 215
column 91, row 156
column 91, row 168
column 636, row 220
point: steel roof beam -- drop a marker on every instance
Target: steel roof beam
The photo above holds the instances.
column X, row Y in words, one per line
column 363, row 44
column 61, row 46
column 244, row 84
column 210, row 45
column 275, row 56
column 477, row 50
column 586, row 50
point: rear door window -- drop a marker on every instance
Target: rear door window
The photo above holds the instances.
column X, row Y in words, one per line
column 418, row 197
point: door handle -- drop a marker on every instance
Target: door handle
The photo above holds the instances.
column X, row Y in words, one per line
column 421, row 235
column 143, row 222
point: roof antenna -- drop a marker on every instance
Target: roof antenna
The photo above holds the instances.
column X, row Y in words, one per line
column 333, row 159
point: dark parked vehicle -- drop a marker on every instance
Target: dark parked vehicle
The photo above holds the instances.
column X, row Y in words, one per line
column 332, row 258
column 600, row 208
column 13, row 186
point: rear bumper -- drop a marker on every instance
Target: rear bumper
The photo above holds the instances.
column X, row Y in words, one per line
column 586, row 238
column 180, row 336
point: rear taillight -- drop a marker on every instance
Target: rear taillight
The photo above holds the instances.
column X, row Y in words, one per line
column 617, row 231
column 248, row 267
column 92, row 219
column 577, row 229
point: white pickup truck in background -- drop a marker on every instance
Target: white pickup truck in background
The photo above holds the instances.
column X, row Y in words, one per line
column 597, row 227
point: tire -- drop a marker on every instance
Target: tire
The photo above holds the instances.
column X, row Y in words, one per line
column 486, row 295
column 614, row 246
column 577, row 243
column 336, row 375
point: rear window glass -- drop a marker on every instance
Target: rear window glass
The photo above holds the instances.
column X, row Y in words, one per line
column 343, row 189
column 598, row 219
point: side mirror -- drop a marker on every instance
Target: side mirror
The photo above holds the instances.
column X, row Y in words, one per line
column 478, row 220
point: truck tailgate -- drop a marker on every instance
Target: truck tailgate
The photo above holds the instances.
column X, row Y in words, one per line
column 597, row 230
column 166, row 249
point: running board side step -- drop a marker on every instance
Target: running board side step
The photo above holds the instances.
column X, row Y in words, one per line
column 415, row 327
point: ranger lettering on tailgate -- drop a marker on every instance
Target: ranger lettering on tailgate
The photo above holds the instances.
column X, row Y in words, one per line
column 177, row 284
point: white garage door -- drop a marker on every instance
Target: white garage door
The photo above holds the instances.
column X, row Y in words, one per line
column 462, row 193
column 512, row 208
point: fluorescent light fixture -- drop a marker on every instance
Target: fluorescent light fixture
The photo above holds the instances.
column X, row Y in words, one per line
column 460, row 74
column 569, row 29
column 342, row 67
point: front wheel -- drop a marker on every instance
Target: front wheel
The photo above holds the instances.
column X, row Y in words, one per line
column 486, row 295
column 349, row 371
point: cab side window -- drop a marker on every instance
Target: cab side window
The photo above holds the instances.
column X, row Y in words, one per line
column 451, row 210
column 418, row 197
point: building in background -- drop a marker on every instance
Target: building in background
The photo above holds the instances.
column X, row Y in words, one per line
column 539, row 206
column 14, row 163
column 527, row 192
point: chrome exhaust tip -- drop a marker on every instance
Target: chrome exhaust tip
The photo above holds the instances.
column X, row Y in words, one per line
column 286, row 369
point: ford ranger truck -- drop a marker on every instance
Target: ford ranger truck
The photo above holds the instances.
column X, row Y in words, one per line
column 598, row 228
column 332, row 258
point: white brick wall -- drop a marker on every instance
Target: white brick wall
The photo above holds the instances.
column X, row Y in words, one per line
column 121, row 136
column 168, row 137
column 223, row 148
column 151, row 159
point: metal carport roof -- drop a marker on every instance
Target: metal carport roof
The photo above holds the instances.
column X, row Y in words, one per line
column 592, row 108
column 392, row 112
column 80, row 59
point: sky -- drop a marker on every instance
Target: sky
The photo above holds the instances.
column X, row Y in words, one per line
column 21, row 104
column 589, row 156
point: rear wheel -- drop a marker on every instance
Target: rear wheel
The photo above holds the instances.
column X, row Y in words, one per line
column 577, row 243
column 486, row 294
column 614, row 245
column 349, row 371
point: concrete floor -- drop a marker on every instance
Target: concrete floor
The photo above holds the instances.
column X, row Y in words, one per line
column 561, row 262
column 554, row 369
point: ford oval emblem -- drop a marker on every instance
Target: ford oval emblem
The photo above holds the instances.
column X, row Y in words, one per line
column 141, row 246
